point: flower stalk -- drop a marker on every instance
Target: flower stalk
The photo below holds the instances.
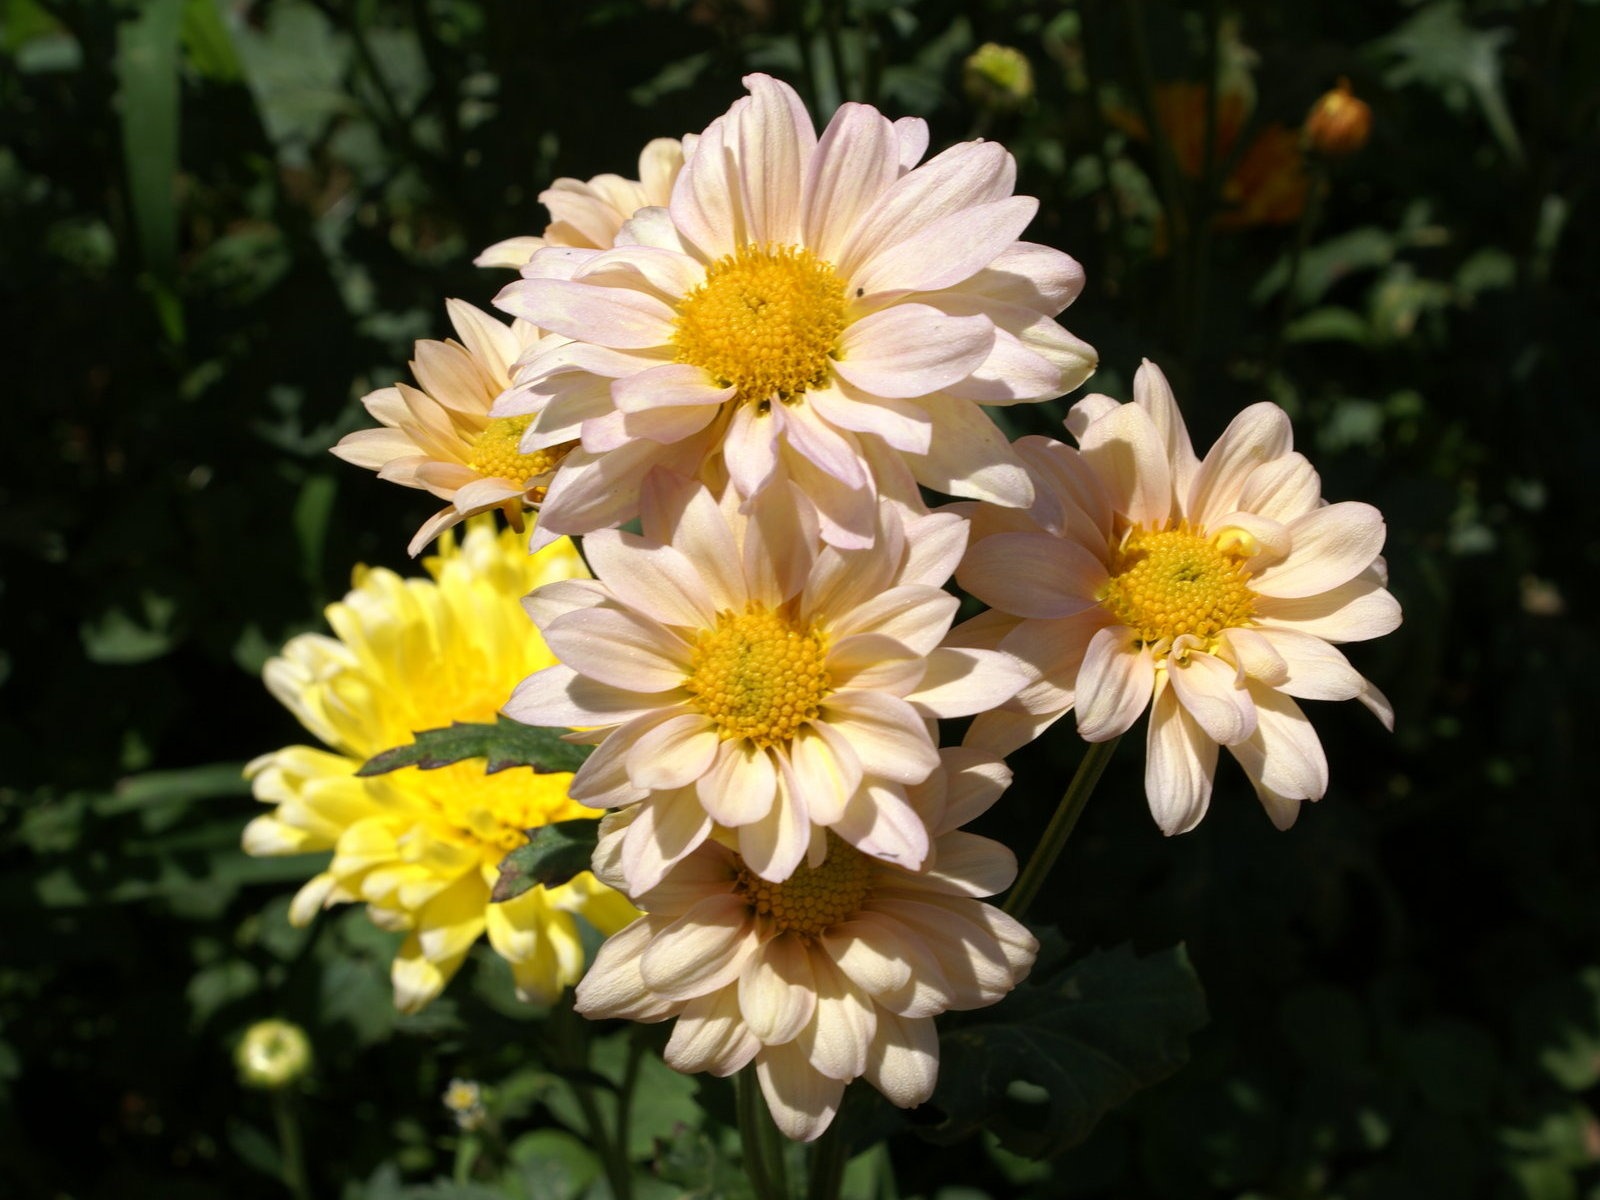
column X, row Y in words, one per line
column 1073, row 801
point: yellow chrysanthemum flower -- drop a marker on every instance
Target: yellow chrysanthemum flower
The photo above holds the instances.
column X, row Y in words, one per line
column 422, row 848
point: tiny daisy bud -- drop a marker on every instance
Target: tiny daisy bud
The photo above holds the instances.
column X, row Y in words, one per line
column 464, row 1099
column 997, row 77
column 272, row 1054
column 1339, row 123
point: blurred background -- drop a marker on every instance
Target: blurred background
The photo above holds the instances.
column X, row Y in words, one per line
column 223, row 221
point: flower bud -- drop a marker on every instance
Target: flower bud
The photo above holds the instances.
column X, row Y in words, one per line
column 272, row 1054
column 997, row 77
column 1338, row 123
column 464, row 1099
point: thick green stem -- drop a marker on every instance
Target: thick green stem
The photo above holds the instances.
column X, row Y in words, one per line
column 827, row 1164
column 294, row 1166
column 1073, row 802
column 755, row 1139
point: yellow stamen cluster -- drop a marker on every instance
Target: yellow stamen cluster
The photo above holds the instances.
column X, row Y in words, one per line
column 493, row 812
column 1169, row 582
column 813, row 899
column 495, row 452
column 758, row 676
column 766, row 321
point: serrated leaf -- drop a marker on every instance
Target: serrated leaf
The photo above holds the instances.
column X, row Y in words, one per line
column 1044, row 1065
column 553, row 855
column 504, row 744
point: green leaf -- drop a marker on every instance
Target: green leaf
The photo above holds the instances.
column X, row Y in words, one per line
column 1558, row 1029
column 207, row 44
column 1044, row 1065
column 147, row 69
column 506, row 743
column 551, row 1164
column 553, row 855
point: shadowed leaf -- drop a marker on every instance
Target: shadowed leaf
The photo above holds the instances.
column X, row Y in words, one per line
column 504, row 744
column 553, row 855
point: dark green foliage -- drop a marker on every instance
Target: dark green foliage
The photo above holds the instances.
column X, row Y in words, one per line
column 506, row 743
column 1072, row 1043
column 553, row 855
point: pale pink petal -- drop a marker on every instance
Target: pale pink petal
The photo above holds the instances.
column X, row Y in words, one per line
column 1033, row 575
column 915, row 615
column 974, row 781
column 926, row 992
column 1180, row 765
column 1352, row 612
column 703, row 950
column 667, row 275
column 1059, row 469
column 970, row 457
column 674, row 754
column 961, row 178
column 1253, row 654
column 934, row 545
column 704, row 205
column 1332, row 546
column 551, row 600
column 669, row 385
column 802, row 1100
column 1012, row 374
column 1153, row 393
column 846, row 516
column 1001, row 731
column 751, row 447
column 512, row 252
column 831, row 451
column 621, row 318
column 902, row 424
column 911, row 134
column 971, row 959
column 946, row 251
column 664, row 831
column 854, row 163
column 711, row 1035
column 827, row 771
column 777, row 993
column 1087, row 411
column 1127, row 452
column 866, row 955
column 595, row 491
column 841, row 1029
column 774, row 141
column 886, row 732
column 960, row 682
column 773, row 846
column 612, row 988
column 879, row 822
column 1114, row 684
column 1283, row 488
column 965, row 864
column 1258, row 434
column 677, row 510
column 873, row 662
column 903, row 1061
column 911, row 350
column 1284, row 758
column 558, row 697
column 1316, row 671
column 1209, row 689
column 1375, row 702
column 741, row 786
column 374, row 448
column 602, row 781
column 656, row 580
column 621, row 648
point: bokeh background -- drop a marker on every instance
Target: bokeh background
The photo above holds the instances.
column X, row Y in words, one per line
column 223, row 221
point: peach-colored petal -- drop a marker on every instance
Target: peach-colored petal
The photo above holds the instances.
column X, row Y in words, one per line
column 1332, row 546
column 1258, row 434
column 673, row 754
column 802, row 1100
column 620, row 647
column 879, row 822
column 960, row 682
column 1316, row 671
column 1128, row 453
column 1283, row 758
column 665, row 830
column 1208, row 688
column 1033, row 575
column 777, row 993
column 741, row 786
column 701, row 951
column 711, row 1035
column 887, row 733
column 1180, row 764
column 1114, row 684
column 970, row 457
column 1352, row 612
column 903, row 1062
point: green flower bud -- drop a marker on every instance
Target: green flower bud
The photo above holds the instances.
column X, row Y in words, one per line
column 272, row 1054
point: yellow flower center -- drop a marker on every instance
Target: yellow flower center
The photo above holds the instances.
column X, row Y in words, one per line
column 1169, row 582
column 496, row 453
column 813, row 899
column 766, row 321
column 758, row 676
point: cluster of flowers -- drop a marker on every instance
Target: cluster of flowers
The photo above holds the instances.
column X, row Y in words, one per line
column 763, row 351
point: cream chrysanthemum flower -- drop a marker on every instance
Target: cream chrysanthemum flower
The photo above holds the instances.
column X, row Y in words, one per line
column 589, row 214
column 831, row 975
column 824, row 310
column 440, row 437
column 422, row 848
column 734, row 669
column 1211, row 591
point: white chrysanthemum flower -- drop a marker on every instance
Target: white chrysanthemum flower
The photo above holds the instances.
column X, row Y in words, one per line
column 823, row 310
column 735, row 670
column 440, row 437
column 589, row 214
column 1212, row 592
column 833, row 974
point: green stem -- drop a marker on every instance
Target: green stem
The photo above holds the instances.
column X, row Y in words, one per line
column 294, row 1166
column 1302, row 238
column 1073, row 802
column 614, row 1161
column 571, row 1047
column 630, row 1080
column 755, row 1139
column 468, row 1151
column 827, row 1163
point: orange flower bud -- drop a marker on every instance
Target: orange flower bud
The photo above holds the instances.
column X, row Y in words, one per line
column 1338, row 123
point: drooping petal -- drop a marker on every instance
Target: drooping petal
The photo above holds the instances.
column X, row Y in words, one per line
column 1180, row 765
column 1114, row 684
